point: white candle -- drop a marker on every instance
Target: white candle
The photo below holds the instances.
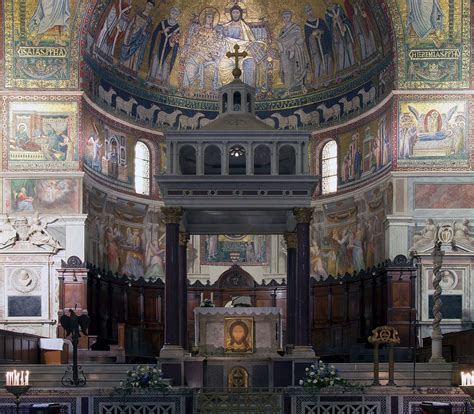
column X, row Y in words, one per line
column 212, row 297
column 27, row 378
column 202, row 297
column 8, row 378
column 22, row 378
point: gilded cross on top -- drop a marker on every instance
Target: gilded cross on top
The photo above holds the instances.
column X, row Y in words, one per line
column 236, row 72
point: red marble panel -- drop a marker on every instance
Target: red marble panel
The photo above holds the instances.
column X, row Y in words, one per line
column 432, row 196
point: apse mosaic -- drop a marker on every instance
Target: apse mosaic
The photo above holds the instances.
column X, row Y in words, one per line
column 149, row 57
column 228, row 249
column 433, row 133
column 43, row 195
column 42, row 43
column 365, row 150
column 436, row 43
column 42, row 135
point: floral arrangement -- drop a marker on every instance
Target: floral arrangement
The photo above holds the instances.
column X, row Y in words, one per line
column 143, row 378
column 320, row 375
column 207, row 303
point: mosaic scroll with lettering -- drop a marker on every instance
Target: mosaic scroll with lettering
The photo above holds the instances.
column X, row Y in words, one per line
column 434, row 40
column 42, row 43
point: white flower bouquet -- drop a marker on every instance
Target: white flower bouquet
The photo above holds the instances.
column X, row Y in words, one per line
column 320, row 375
column 143, row 378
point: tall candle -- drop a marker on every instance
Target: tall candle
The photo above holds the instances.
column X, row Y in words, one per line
column 202, row 297
column 27, row 378
column 212, row 297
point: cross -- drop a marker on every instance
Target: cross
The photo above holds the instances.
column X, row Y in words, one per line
column 236, row 72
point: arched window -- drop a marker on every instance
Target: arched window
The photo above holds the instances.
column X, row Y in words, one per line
column 212, row 160
column 329, row 168
column 237, row 102
column 262, row 160
column 286, row 160
column 142, row 169
column 187, row 160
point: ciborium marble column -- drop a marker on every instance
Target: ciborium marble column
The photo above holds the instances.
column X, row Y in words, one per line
column 303, row 346
column 172, row 347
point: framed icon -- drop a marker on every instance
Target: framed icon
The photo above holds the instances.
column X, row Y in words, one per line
column 238, row 335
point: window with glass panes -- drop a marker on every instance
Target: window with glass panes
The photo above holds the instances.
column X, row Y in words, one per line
column 142, row 169
column 329, row 168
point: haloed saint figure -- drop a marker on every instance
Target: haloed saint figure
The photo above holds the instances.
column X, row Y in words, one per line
column 238, row 335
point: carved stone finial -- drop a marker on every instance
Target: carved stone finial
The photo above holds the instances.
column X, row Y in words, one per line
column 172, row 215
column 183, row 239
column 291, row 240
column 303, row 214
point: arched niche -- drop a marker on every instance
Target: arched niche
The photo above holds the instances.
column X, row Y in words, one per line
column 262, row 160
column 224, row 102
column 212, row 160
column 235, row 278
column 237, row 101
column 237, row 160
column 187, row 160
column 286, row 160
column 249, row 103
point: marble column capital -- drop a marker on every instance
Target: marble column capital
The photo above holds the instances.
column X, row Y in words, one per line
column 183, row 239
column 172, row 215
column 291, row 240
column 303, row 215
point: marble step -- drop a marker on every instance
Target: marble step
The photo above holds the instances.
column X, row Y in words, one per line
column 110, row 375
column 97, row 375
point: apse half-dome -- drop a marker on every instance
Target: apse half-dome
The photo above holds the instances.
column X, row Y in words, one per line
column 161, row 64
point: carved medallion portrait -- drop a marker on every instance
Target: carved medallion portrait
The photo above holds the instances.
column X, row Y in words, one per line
column 238, row 335
column 24, row 280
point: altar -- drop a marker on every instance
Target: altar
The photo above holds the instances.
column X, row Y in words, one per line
column 238, row 331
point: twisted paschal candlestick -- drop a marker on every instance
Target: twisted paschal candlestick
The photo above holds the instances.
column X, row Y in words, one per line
column 436, row 335
column 437, row 303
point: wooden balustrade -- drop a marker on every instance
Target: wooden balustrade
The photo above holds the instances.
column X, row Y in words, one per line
column 344, row 310
column 19, row 348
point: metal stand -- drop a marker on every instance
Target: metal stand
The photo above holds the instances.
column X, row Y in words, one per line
column 384, row 335
column 17, row 391
column 74, row 376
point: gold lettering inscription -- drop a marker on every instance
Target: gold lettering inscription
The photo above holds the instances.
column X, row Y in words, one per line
column 31, row 51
